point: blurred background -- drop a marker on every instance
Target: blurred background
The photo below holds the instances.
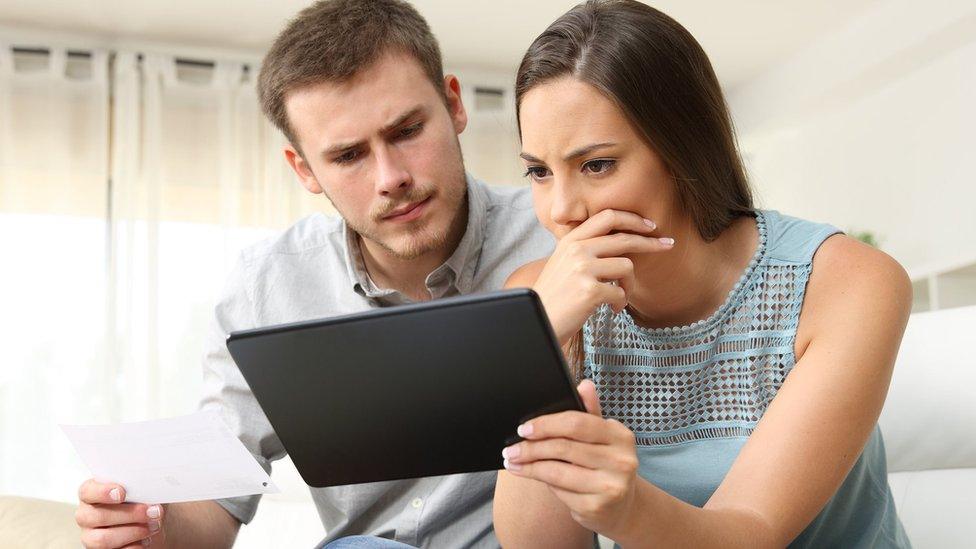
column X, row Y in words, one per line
column 135, row 163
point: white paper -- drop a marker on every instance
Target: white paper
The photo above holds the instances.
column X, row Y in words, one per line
column 187, row 458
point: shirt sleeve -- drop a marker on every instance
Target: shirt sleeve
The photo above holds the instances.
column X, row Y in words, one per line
column 225, row 390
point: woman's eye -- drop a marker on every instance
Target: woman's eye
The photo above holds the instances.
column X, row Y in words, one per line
column 599, row 166
column 536, row 172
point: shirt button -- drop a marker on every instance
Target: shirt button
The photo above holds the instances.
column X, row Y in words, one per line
column 417, row 502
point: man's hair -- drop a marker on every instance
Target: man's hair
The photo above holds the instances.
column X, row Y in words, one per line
column 333, row 40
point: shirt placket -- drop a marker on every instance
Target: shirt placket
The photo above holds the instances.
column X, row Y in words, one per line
column 409, row 532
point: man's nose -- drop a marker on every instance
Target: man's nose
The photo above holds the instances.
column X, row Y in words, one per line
column 392, row 176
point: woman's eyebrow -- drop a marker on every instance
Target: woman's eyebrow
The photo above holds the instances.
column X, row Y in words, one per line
column 576, row 153
column 582, row 151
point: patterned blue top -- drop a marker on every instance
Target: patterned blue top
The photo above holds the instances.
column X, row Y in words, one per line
column 693, row 394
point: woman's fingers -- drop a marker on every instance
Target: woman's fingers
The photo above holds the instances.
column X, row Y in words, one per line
column 587, row 392
column 615, row 245
column 612, row 268
column 607, row 221
column 594, row 291
column 579, row 426
column 560, row 475
column 591, row 456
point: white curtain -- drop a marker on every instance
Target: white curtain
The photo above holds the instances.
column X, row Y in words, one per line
column 53, row 182
column 128, row 184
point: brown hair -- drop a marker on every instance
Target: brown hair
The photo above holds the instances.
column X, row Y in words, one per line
column 659, row 76
column 332, row 40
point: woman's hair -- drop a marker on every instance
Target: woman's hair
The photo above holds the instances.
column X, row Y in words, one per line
column 658, row 75
column 661, row 79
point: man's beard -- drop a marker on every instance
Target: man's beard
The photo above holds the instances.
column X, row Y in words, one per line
column 427, row 238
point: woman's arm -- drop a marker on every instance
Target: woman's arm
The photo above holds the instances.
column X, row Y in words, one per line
column 853, row 317
column 526, row 513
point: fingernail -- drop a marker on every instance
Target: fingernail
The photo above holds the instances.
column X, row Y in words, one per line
column 667, row 241
column 650, row 223
column 524, row 430
column 153, row 512
column 511, row 452
column 154, row 526
column 116, row 495
column 512, row 466
column 146, row 542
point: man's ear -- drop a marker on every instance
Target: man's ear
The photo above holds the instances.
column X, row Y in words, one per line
column 302, row 169
column 452, row 91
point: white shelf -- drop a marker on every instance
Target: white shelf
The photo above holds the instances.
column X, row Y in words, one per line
column 946, row 286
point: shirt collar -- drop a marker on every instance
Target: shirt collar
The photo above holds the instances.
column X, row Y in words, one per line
column 459, row 267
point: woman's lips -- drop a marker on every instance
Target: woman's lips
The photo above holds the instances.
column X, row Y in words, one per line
column 410, row 212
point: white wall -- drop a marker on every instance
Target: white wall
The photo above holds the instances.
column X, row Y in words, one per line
column 873, row 127
column 490, row 141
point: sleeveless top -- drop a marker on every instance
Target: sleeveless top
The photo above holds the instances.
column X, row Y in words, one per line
column 693, row 394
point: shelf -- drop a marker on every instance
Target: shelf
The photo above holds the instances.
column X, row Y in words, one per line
column 952, row 285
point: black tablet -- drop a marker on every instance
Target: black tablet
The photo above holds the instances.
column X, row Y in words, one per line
column 402, row 392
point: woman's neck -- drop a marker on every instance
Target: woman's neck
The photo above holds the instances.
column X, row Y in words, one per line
column 691, row 281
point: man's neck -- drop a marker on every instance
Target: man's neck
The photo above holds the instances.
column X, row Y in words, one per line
column 692, row 281
column 409, row 276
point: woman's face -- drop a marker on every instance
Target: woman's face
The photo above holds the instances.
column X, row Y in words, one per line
column 582, row 156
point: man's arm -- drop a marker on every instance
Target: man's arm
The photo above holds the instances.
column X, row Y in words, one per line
column 106, row 520
column 200, row 524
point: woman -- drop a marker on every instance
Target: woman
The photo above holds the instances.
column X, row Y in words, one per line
column 740, row 357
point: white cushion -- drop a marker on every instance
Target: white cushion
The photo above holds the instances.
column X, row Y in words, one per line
column 929, row 418
column 936, row 507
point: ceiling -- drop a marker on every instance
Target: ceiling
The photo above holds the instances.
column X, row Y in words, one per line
column 743, row 37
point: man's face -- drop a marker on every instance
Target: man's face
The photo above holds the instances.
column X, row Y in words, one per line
column 383, row 147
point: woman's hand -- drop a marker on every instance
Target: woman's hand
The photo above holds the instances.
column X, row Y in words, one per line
column 588, row 462
column 576, row 278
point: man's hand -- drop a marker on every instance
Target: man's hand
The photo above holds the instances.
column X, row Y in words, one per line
column 107, row 521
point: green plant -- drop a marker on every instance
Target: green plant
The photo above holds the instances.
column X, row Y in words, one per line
column 867, row 237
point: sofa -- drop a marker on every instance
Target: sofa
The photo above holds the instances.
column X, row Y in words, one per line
column 929, row 429
column 928, row 423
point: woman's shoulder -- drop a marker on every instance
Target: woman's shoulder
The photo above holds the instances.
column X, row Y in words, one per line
column 526, row 275
column 791, row 239
column 842, row 263
column 850, row 282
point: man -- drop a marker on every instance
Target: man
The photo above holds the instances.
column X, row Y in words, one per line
column 357, row 88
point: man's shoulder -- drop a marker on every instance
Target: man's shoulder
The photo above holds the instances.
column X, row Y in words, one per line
column 313, row 232
column 516, row 199
column 513, row 235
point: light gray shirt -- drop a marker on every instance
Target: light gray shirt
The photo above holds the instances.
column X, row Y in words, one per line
column 315, row 270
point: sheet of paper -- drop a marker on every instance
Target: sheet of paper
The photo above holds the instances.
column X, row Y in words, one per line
column 187, row 458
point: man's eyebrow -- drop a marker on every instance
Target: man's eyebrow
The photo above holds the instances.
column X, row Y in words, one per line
column 401, row 119
column 576, row 153
column 343, row 147
column 337, row 150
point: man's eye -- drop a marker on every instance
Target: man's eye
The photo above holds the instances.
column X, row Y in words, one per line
column 410, row 131
column 599, row 166
column 346, row 157
column 536, row 172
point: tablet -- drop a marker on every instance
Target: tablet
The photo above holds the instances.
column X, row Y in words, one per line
column 419, row 390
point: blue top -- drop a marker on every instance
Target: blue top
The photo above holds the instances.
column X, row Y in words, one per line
column 693, row 394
